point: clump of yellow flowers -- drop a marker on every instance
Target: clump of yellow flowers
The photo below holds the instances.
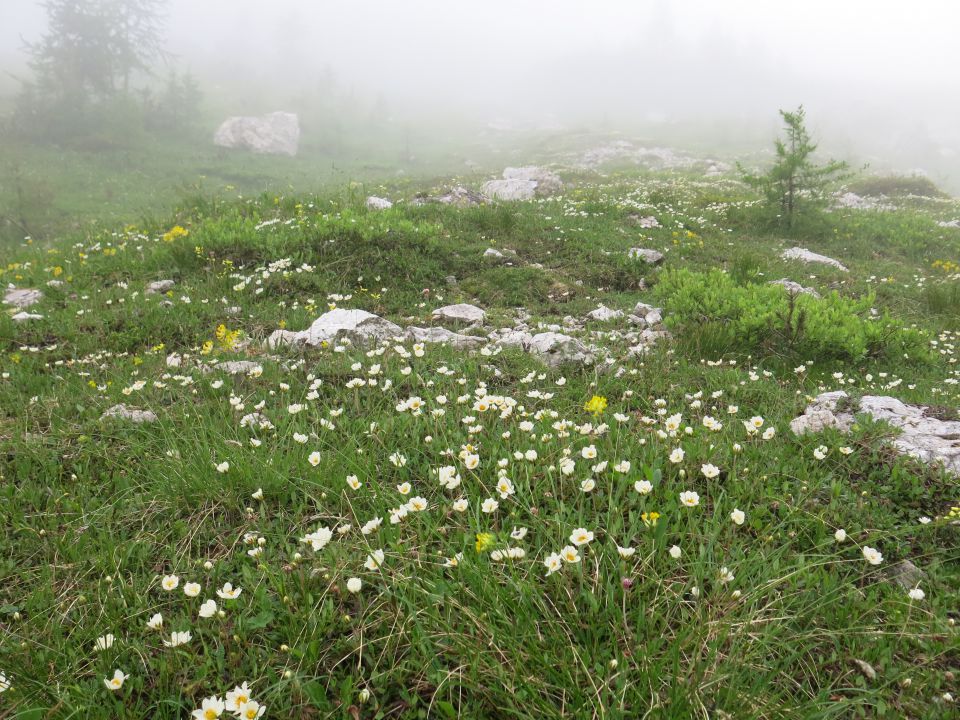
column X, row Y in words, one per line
column 596, row 405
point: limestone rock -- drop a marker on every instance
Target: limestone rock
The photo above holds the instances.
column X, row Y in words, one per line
column 926, row 438
column 906, row 574
column 445, row 337
column 277, row 133
column 357, row 326
column 653, row 257
column 795, row 288
column 523, row 183
column 557, row 349
column 134, row 415
column 378, row 203
column 22, row 297
column 25, row 317
column 605, row 314
column 805, row 256
column 160, row 286
column 459, row 314
column 510, row 189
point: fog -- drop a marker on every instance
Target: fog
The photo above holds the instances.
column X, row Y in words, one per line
column 878, row 77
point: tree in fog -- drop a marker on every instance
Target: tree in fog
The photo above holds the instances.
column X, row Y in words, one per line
column 92, row 48
column 795, row 185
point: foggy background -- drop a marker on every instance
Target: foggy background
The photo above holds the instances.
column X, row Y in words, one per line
column 878, row 78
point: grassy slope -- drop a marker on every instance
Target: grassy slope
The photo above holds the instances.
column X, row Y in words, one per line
column 95, row 512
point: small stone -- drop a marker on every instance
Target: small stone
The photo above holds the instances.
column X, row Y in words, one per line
column 378, row 203
column 795, row 288
column 653, row 257
column 25, row 316
column 906, row 574
column 160, row 286
column 22, row 297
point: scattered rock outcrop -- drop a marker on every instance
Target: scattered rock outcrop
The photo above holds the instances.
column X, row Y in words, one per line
column 23, row 316
column 805, row 256
column 604, row 314
column 922, row 436
column 357, row 326
column 277, row 133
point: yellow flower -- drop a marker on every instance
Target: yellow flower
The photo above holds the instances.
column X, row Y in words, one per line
column 650, row 518
column 596, row 405
column 207, row 347
column 175, row 232
column 485, row 541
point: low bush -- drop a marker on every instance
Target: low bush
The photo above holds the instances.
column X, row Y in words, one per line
column 715, row 313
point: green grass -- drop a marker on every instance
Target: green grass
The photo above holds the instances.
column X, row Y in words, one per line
column 96, row 511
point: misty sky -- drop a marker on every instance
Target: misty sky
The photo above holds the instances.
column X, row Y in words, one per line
column 880, row 67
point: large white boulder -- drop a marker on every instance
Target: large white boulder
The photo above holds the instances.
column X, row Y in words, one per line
column 654, row 257
column 358, row 326
column 277, row 133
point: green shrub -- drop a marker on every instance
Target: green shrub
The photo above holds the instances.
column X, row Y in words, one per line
column 711, row 312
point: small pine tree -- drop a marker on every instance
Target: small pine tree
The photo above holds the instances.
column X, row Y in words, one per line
column 795, row 186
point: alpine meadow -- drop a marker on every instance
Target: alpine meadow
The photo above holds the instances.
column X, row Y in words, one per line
column 389, row 360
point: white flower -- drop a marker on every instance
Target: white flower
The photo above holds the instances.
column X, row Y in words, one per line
column 738, row 516
column 229, row 592
column 169, row 582
column 840, row 535
column 821, row 452
column 460, row 505
column 675, row 552
column 622, row 467
column 725, row 576
column 589, row 452
column 872, row 555
column 626, row 552
column 258, row 494
column 689, row 498
column 251, row 710
column 916, row 594
column 5, row 683
column 223, row 467
column 489, row 505
column 104, row 642
column 318, row 539
column 178, row 638
column 300, row 438
column 581, row 536
column 210, row 709
column 570, row 554
column 374, row 560
column 588, row 485
column 553, row 562
column 676, row 457
column 709, row 470
column 114, row 683
column 314, row 458
column 644, row 487
column 191, row 589
column 354, row 584
column 156, row 622
column 237, row 697
column 208, row 609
